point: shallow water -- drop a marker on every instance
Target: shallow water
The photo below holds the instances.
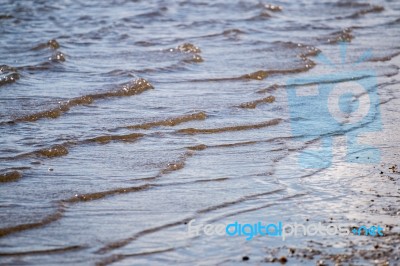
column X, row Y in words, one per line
column 122, row 121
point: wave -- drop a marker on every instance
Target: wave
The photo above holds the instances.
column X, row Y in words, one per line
column 253, row 104
column 170, row 122
column 10, row 176
column 193, row 131
column 133, row 88
column 8, row 75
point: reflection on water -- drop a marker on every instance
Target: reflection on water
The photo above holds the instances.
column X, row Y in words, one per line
column 122, row 121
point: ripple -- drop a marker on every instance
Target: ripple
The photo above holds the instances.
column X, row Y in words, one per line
column 170, row 122
column 10, row 176
column 340, row 36
column 52, row 44
column 54, row 151
column 8, row 75
column 362, row 12
column 57, row 57
column 42, row 252
column 136, row 87
column 194, row 131
column 253, row 104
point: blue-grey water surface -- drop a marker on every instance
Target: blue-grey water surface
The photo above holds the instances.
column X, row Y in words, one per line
column 121, row 121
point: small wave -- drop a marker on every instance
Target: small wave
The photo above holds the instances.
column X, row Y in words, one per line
column 52, row 44
column 265, row 13
column 118, row 257
column 62, row 204
column 150, row 15
column 123, row 242
column 262, row 74
column 362, row 12
column 9, row 78
column 57, row 215
column 239, row 200
column 260, row 207
column 6, row 16
column 384, row 58
column 230, row 33
column 304, row 49
column 237, row 144
column 8, row 75
column 348, row 4
column 59, row 150
column 102, row 194
column 5, row 68
column 199, row 147
column 271, row 88
column 190, row 49
column 136, row 87
column 171, row 121
column 273, row 8
column 194, row 131
column 177, row 165
column 42, row 252
column 54, row 151
column 22, row 227
column 194, row 58
column 10, row 176
column 274, row 87
column 211, row 180
column 394, row 22
column 339, row 36
column 258, row 75
column 109, row 138
column 57, row 57
column 253, row 104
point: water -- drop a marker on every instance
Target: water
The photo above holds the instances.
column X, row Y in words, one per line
column 122, row 121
